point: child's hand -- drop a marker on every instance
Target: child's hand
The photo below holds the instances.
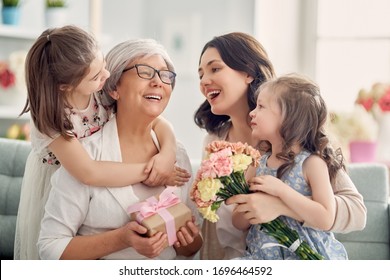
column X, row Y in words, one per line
column 268, row 184
column 160, row 169
column 179, row 177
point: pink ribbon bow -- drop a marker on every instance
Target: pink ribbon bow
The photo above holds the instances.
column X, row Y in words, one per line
column 153, row 206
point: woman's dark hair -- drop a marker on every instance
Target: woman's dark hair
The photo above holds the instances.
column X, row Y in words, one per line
column 60, row 56
column 241, row 52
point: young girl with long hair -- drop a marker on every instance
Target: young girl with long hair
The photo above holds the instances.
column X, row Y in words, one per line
column 298, row 166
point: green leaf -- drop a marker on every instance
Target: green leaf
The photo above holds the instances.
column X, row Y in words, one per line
column 216, row 205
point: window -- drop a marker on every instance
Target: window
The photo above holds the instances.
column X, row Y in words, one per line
column 352, row 48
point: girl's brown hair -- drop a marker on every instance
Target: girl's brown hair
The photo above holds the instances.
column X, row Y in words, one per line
column 60, row 56
column 304, row 115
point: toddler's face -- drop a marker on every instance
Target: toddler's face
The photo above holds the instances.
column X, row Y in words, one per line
column 266, row 118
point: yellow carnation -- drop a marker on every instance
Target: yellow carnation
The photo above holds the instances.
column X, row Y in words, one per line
column 208, row 188
column 241, row 162
column 208, row 214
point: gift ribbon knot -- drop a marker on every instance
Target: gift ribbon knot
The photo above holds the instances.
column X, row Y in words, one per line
column 152, row 206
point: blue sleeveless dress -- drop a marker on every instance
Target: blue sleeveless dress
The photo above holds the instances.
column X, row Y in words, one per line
column 261, row 246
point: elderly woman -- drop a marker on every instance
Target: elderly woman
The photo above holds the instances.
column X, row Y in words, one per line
column 85, row 222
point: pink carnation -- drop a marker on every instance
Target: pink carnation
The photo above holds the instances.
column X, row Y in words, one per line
column 216, row 146
column 219, row 164
column 238, row 148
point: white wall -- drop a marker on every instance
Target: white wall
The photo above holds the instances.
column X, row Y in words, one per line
column 277, row 26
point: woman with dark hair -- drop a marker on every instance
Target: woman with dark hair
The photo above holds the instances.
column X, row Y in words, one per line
column 231, row 68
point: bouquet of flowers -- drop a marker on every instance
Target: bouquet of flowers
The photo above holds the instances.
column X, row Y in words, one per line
column 221, row 175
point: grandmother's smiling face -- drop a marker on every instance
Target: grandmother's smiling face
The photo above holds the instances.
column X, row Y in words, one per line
column 142, row 96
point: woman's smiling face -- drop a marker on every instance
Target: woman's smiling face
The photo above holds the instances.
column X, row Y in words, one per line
column 223, row 87
column 144, row 96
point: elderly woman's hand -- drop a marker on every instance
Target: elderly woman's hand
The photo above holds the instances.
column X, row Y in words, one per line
column 189, row 240
column 149, row 247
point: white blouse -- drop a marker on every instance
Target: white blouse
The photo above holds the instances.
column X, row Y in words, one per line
column 77, row 209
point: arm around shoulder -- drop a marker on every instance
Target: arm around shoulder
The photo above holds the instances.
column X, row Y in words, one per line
column 76, row 160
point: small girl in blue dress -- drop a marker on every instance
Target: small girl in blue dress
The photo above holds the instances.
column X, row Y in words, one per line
column 298, row 167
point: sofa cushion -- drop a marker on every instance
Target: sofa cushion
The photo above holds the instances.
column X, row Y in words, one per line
column 13, row 160
column 372, row 181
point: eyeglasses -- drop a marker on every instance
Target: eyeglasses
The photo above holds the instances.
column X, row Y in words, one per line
column 147, row 72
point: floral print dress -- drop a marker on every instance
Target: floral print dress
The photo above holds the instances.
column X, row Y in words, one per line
column 85, row 123
column 261, row 246
column 40, row 166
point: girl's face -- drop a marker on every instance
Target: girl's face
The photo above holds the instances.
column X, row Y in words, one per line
column 141, row 96
column 224, row 88
column 266, row 118
column 95, row 78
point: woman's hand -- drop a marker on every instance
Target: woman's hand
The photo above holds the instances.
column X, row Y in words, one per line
column 178, row 177
column 149, row 247
column 257, row 207
column 189, row 239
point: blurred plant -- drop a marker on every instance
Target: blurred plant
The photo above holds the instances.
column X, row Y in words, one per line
column 55, row 3
column 358, row 125
column 375, row 100
column 7, row 77
column 12, row 72
column 11, row 3
column 19, row 131
column 17, row 61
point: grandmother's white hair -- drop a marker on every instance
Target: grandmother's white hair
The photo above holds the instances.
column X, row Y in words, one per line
column 120, row 56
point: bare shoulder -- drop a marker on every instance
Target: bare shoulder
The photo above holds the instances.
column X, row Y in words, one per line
column 314, row 166
column 313, row 159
